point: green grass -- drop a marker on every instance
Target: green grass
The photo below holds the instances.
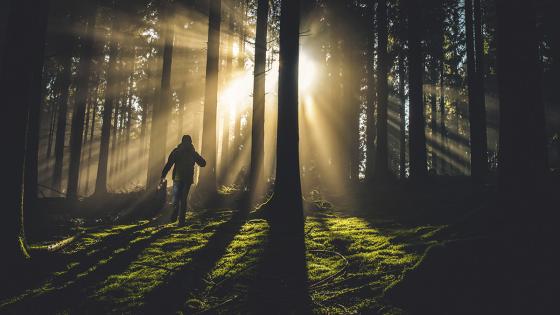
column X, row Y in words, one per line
column 365, row 259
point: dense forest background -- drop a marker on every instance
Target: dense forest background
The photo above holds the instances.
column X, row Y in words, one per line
column 294, row 104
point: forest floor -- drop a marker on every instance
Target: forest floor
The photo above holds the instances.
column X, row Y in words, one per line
column 354, row 251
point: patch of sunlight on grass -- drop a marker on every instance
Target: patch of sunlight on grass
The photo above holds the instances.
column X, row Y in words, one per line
column 158, row 262
column 375, row 258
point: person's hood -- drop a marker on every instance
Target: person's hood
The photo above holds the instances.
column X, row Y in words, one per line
column 185, row 147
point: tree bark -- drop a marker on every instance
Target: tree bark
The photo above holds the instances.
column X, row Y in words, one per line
column 65, row 81
column 21, row 66
column 287, row 187
column 257, row 130
column 477, row 111
column 371, row 97
column 161, row 112
column 208, row 174
column 381, row 157
column 76, row 135
column 110, row 94
column 417, row 133
column 522, row 144
column 402, row 114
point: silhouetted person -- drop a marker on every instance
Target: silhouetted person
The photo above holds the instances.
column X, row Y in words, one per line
column 183, row 157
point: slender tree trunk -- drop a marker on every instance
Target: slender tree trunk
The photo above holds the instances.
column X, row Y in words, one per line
column 433, row 126
column 80, row 106
column 113, row 152
column 160, row 116
column 477, row 112
column 417, row 133
column 402, row 114
column 371, row 98
column 52, row 124
column 257, row 130
column 91, row 133
column 60, row 139
column 208, row 174
column 382, row 154
column 443, row 115
column 181, row 110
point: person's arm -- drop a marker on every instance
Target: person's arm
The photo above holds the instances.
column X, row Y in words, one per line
column 199, row 159
column 170, row 162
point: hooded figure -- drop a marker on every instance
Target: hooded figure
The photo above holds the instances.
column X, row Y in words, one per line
column 184, row 157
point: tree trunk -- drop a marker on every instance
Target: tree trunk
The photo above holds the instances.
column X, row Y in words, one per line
column 161, row 112
column 287, row 188
column 443, row 115
column 477, row 112
column 417, row 134
column 21, row 66
column 208, row 174
column 76, row 135
column 257, row 130
column 402, row 114
column 371, row 98
column 522, row 142
column 381, row 157
column 91, row 133
column 181, row 110
column 65, row 81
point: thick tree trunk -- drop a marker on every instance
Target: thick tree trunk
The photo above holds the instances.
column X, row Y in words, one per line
column 522, row 144
column 208, row 174
column 21, row 67
column 381, row 157
column 161, row 112
column 82, row 88
column 257, row 131
column 287, row 188
column 417, row 138
column 477, row 111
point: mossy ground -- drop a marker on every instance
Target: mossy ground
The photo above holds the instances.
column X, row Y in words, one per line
column 213, row 261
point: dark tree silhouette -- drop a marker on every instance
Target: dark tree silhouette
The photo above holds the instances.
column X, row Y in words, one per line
column 381, row 157
column 522, row 144
column 64, row 89
column 110, row 96
column 21, row 67
column 417, row 138
column 371, row 95
column 257, row 135
column 477, row 111
column 161, row 111
column 208, row 174
column 287, row 197
column 82, row 92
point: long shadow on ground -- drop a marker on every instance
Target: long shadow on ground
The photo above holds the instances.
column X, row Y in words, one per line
column 170, row 296
column 281, row 285
column 68, row 289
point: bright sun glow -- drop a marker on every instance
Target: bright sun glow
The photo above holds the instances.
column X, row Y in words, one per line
column 235, row 49
column 306, row 72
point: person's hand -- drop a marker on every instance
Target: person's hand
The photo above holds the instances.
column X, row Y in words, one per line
column 162, row 182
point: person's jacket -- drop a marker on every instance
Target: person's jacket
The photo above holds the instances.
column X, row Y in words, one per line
column 183, row 157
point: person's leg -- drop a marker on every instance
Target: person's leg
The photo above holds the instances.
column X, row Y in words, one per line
column 183, row 207
column 176, row 200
